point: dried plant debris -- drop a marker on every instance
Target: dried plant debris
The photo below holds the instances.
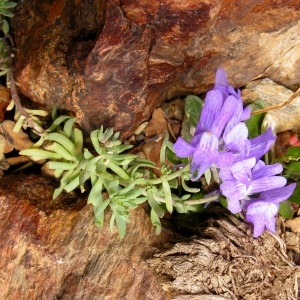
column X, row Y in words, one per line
column 224, row 259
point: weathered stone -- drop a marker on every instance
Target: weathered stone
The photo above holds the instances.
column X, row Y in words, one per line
column 113, row 64
column 54, row 251
column 271, row 94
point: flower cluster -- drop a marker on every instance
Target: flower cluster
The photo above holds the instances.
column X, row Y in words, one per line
column 221, row 141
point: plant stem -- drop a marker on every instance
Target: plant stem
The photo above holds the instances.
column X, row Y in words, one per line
column 164, row 177
column 202, row 200
column 13, row 89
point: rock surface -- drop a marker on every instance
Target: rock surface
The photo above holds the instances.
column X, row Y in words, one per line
column 112, row 62
column 271, row 93
column 54, row 251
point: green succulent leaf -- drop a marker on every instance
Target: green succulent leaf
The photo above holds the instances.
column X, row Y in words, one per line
column 60, row 150
column 62, row 140
column 99, row 212
column 121, row 222
column 168, row 196
column 40, row 154
column 152, row 195
column 57, row 122
column 95, row 195
column 57, row 165
column 69, row 127
column 155, row 220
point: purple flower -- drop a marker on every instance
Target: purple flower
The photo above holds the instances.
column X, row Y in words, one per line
column 221, row 84
column 247, row 177
column 262, row 211
column 259, row 146
column 219, row 133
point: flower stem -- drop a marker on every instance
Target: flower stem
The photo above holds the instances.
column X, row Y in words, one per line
column 164, row 177
column 202, row 200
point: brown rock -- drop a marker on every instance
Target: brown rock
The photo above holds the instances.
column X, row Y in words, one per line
column 56, row 252
column 114, row 64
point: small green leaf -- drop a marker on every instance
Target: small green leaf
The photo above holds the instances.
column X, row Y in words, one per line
column 36, row 112
column 153, row 203
column 78, row 140
column 6, row 12
column 189, row 189
column 293, row 153
column 254, row 124
column 119, row 171
column 5, row 27
column 57, row 122
column 193, row 108
column 3, row 72
column 62, row 140
column 285, row 209
column 207, row 176
column 67, row 177
column 8, row 5
column 99, row 212
column 68, row 127
column 57, row 173
column 112, row 187
column 155, row 221
column 296, row 195
column 95, row 141
column 121, row 222
column 72, row 185
column 167, row 195
column 57, row 165
column 61, row 151
column 95, row 195
column 39, row 154
column 292, row 168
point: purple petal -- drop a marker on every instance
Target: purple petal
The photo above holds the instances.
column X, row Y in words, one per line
column 261, row 144
column 241, row 171
column 226, row 175
column 234, row 190
column 225, row 161
column 183, row 148
column 246, row 114
column 279, row 194
column 233, row 92
column 262, row 215
column 221, row 78
column 227, row 111
column 236, row 139
column 211, row 109
column 206, row 153
column 266, row 171
column 234, row 205
column 267, row 183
